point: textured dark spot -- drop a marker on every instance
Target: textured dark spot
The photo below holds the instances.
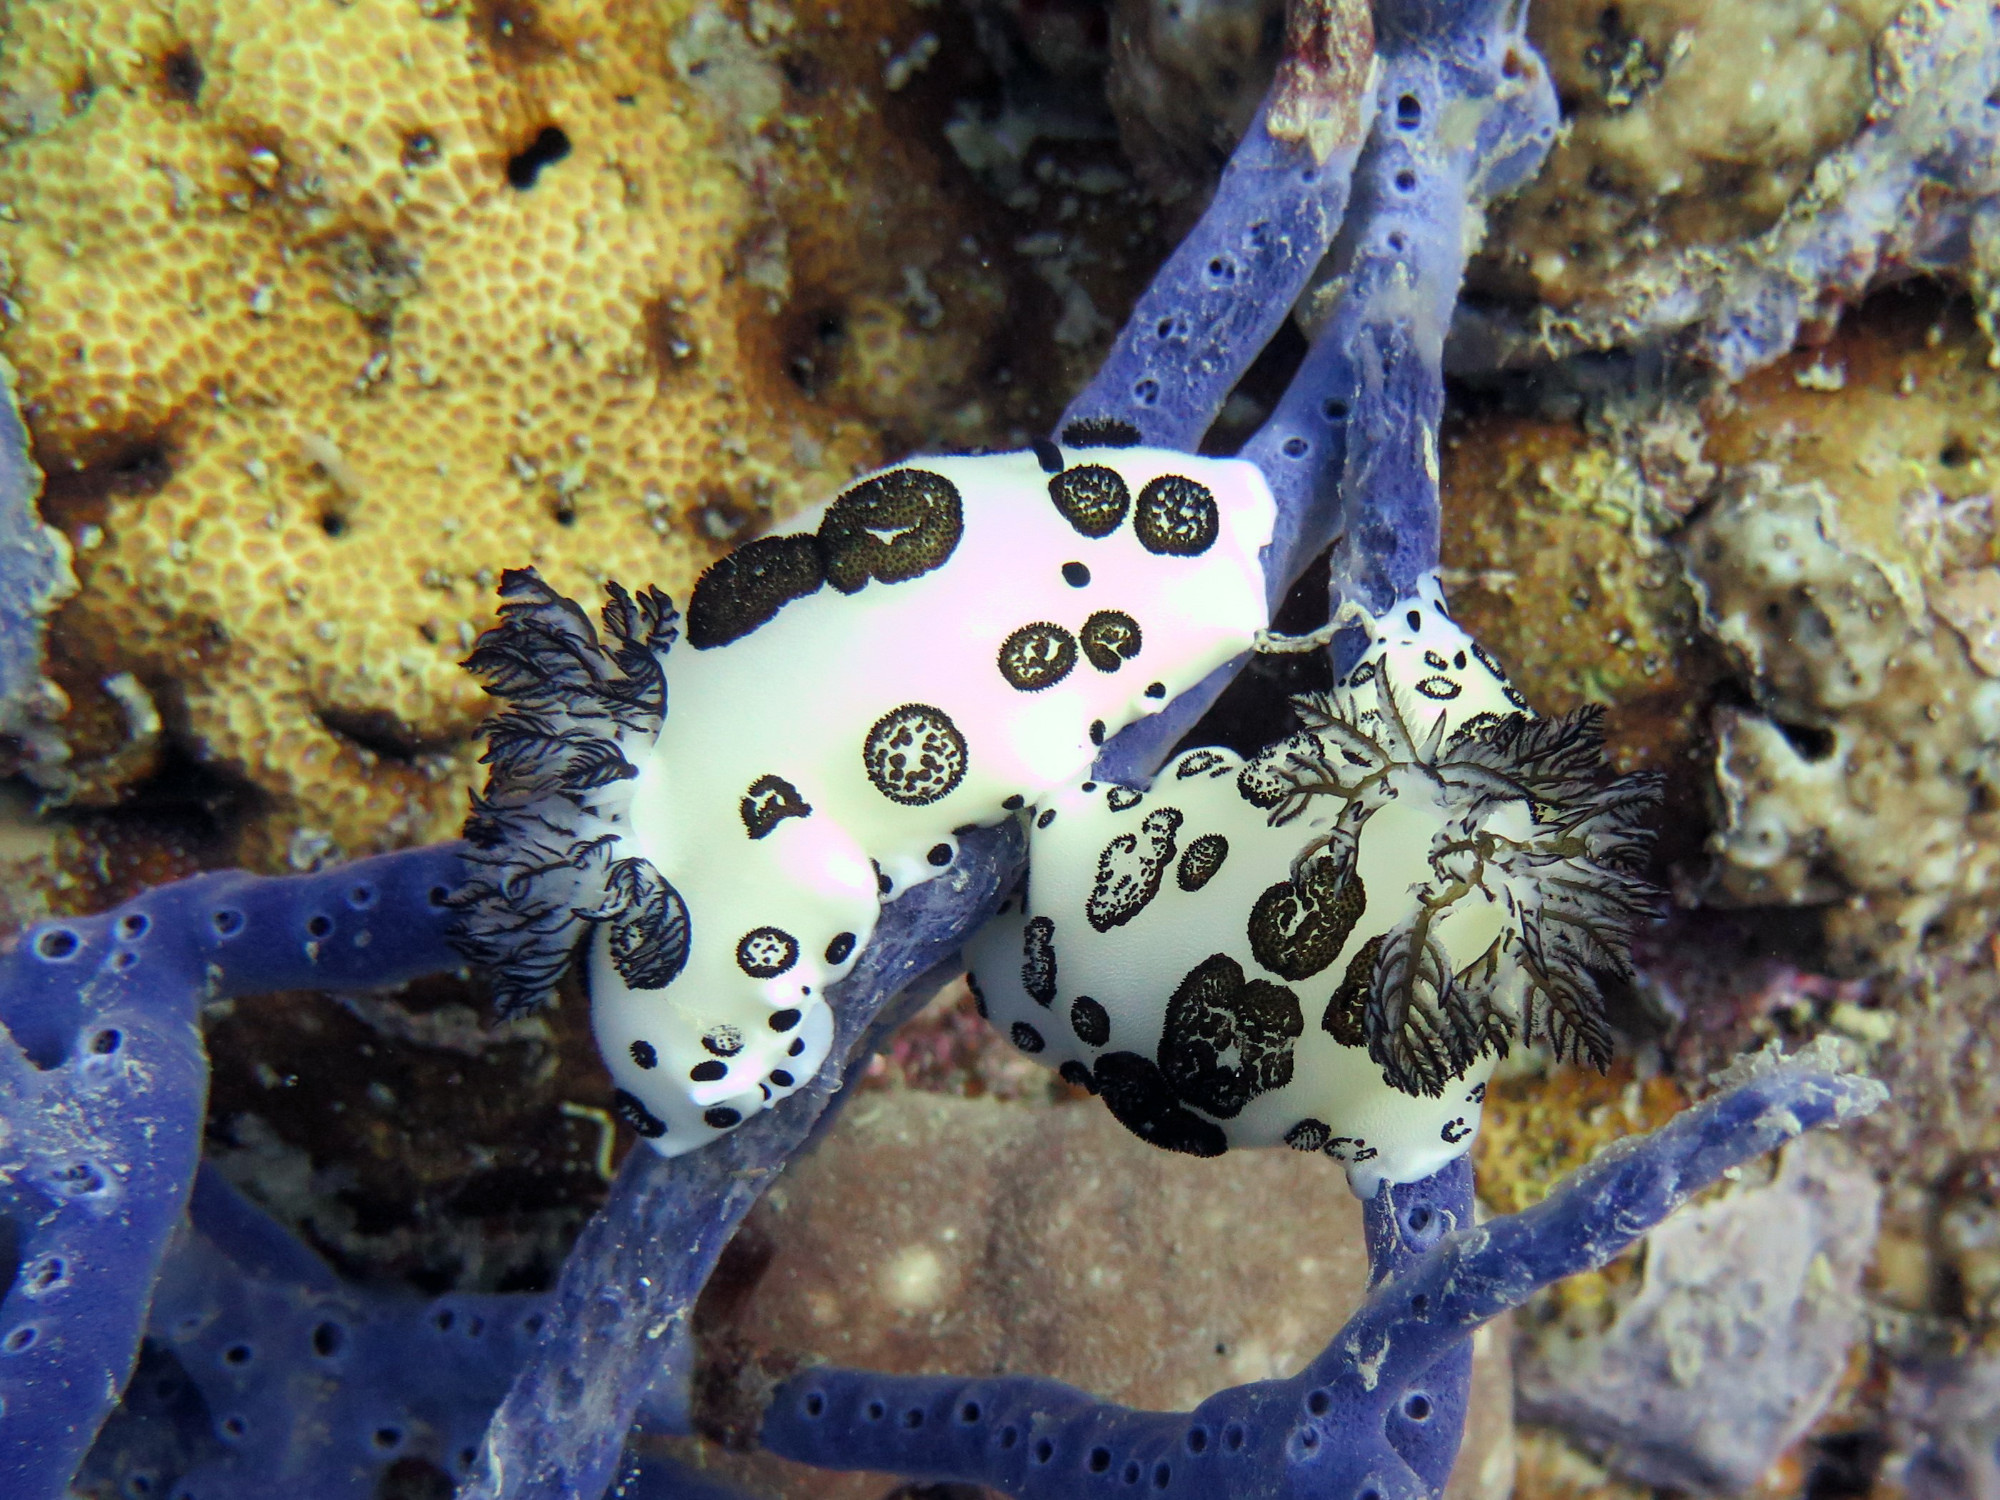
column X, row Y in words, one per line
column 1487, row 661
column 1216, row 1014
column 1014, row 803
column 1442, row 689
column 1089, row 1021
column 1092, row 498
column 1156, row 690
column 708, row 1072
column 1037, row 656
column 628, row 1108
column 1362, row 675
column 978, row 995
column 1101, row 432
column 1110, row 639
column 1139, row 1097
column 1308, row 1135
column 1048, row 455
column 1026, row 1037
column 1038, row 959
column 1123, row 798
column 940, row 855
column 1076, row 575
column 1176, row 517
column 783, row 1020
column 1096, row 731
column 766, row 952
column 649, row 924
column 838, row 950
column 770, row 800
column 1048, row 816
column 1346, row 1013
column 745, row 590
column 914, row 755
column 1197, row 763
column 1129, row 870
column 1075, row 1073
column 722, row 1117
column 644, row 1056
column 1299, row 927
column 722, row 1041
column 1454, row 1131
column 892, row 528
column 1200, row 860
column 1436, row 662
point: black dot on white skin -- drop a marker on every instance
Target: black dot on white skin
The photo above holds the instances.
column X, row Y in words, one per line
column 1090, row 786
column 838, row 950
column 1048, row 455
column 781, row 1078
column 940, row 855
column 1046, row 818
column 1416, row 619
column 1026, row 1037
column 798, row 1046
column 644, row 1055
column 1075, row 574
column 722, row 1117
column 1156, row 690
column 1096, row 731
column 708, row 1072
column 783, row 1020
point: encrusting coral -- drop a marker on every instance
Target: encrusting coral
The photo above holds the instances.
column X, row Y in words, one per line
column 326, row 313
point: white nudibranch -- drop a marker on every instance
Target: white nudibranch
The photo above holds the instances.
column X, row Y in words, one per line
column 942, row 644
column 1330, row 945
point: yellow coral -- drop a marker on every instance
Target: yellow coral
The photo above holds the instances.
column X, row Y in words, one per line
column 326, row 312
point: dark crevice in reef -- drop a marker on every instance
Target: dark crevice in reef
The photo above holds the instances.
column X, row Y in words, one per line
column 118, row 466
column 379, row 732
column 550, row 145
column 182, row 75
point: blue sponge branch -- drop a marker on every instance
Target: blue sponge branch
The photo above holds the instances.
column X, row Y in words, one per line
column 103, row 1083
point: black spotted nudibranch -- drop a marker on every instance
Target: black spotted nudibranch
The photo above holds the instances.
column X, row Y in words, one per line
column 1330, row 945
column 944, row 642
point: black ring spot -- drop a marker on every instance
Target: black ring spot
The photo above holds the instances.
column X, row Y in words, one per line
column 1110, row 638
column 894, row 527
column 1176, row 517
column 766, row 952
column 914, row 755
column 1037, row 656
column 1092, row 498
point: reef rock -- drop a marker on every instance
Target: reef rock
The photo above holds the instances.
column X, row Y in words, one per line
column 1845, row 567
column 1736, row 1338
column 326, row 313
column 930, row 1233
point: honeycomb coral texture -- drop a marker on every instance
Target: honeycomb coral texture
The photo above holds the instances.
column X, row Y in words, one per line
column 325, row 313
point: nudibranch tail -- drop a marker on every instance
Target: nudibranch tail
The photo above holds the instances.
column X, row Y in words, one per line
column 1330, row 945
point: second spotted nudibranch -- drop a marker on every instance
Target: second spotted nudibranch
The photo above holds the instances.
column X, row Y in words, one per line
column 1330, row 945
column 945, row 642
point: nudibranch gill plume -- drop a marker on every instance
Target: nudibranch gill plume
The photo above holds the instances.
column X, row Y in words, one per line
column 943, row 643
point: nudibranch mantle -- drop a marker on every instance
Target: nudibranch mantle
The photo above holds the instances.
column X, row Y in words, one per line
column 946, row 641
column 1330, row 945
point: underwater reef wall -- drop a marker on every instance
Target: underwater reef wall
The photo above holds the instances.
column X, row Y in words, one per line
column 327, row 313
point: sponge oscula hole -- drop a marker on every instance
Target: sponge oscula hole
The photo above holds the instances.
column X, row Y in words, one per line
column 57, row 945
